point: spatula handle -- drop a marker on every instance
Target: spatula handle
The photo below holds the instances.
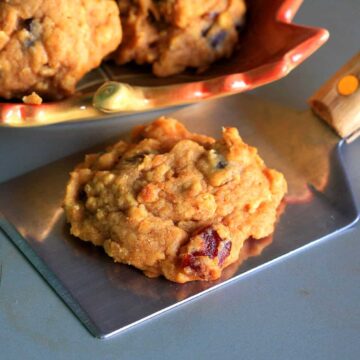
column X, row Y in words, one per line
column 338, row 100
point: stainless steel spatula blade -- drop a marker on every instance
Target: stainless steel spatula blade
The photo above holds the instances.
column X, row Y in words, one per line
column 109, row 297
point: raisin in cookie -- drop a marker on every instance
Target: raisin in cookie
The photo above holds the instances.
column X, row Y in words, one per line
column 174, row 203
column 176, row 34
column 46, row 46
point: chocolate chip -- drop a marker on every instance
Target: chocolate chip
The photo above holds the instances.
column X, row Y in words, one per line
column 151, row 18
column 27, row 24
column 82, row 196
column 29, row 42
column 205, row 31
column 138, row 158
column 211, row 16
column 222, row 164
column 33, row 27
column 218, row 39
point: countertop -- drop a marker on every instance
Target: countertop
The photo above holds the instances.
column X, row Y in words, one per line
column 305, row 306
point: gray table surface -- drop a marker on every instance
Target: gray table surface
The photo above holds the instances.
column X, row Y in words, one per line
column 306, row 306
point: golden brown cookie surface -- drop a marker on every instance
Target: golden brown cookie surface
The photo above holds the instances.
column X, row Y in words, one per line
column 174, row 203
column 176, row 34
column 46, row 46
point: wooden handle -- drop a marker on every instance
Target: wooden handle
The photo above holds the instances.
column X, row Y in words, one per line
column 338, row 100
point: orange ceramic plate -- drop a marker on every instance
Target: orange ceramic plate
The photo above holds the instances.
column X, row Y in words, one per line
column 270, row 47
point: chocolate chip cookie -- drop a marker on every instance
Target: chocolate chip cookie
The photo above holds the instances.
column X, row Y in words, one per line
column 174, row 203
column 175, row 34
column 46, row 46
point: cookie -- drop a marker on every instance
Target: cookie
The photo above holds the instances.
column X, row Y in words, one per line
column 175, row 34
column 46, row 46
column 174, row 203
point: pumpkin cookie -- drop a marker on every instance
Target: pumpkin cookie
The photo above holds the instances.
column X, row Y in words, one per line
column 175, row 34
column 174, row 203
column 46, row 46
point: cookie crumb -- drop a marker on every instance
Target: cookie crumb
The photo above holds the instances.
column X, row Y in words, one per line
column 32, row 99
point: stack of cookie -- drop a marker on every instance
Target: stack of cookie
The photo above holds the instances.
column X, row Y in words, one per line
column 47, row 46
